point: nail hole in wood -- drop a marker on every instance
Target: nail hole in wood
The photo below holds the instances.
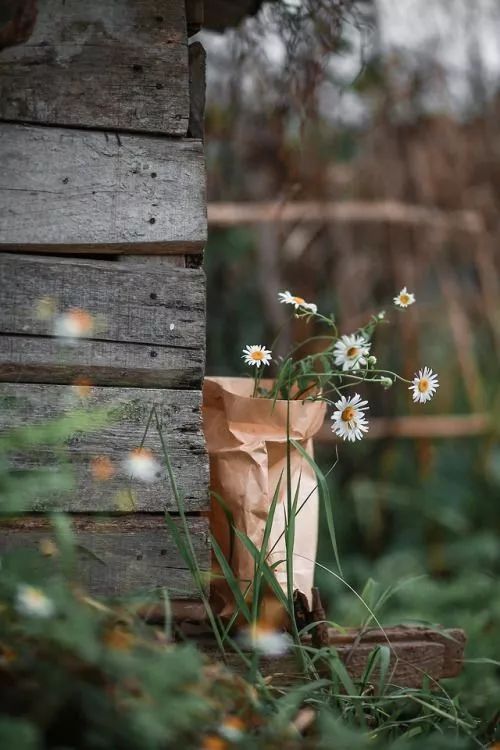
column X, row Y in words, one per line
column 139, row 556
column 159, row 85
column 153, row 174
column 152, row 220
column 163, row 552
column 153, row 295
column 153, row 354
column 137, row 68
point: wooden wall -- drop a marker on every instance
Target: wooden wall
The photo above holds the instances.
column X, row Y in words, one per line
column 102, row 209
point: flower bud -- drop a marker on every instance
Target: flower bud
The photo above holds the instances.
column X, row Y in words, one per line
column 372, row 361
column 386, row 382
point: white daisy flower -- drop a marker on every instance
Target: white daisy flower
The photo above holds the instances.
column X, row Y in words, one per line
column 32, row 602
column 256, row 355
column 265, row 640
column 404, row 298
column 74, row 324
column 424, row 385
column 349, row 421
column 351, row 352
column 140, row 464
column 298, row 302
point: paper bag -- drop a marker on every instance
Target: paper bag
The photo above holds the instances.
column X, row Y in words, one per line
column 246, row 439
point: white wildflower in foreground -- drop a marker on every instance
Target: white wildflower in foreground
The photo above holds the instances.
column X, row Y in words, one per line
column 74, row 324
column 349, row 421
column 256, row 355
column 32, row 602
column 265, row 640
column 140, row 464
column 424, row 385
column 404, row 298
column 298, row 302
column 350, row 352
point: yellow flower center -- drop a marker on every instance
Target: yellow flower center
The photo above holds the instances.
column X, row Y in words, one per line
column 298, row 300
column 257, row 356
column 404, row 299
column 353, row 351
column 423, row 385
column 348, row 414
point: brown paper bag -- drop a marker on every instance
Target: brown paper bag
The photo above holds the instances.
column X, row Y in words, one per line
column 246, row 439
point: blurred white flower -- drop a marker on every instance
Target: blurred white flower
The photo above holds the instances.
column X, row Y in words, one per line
column 265, row 640
column 404, row 298
column 32, row 602
column 349, row 421
column 74, row 324
column 256, row 355
column 351, row 352
column 298, row 302
column 424, row 385
column 140, row 464
column 232, row 728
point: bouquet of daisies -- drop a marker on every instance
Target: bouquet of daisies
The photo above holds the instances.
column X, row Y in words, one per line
column 331, row 374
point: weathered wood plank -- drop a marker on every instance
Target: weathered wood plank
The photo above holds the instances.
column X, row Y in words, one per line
column 197, row 87
column 120, row 556
column 71, row 190
column 97, row 459
column 120, row 65
column 128, row 304
column 31, row 359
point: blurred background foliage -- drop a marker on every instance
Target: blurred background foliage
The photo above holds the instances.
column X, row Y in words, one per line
column 381, row 128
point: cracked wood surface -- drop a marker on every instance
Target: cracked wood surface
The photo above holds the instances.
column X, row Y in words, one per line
column 119, row 65
column 149, row 321
column 71, row 190
column 122, row 555
column 128, row 411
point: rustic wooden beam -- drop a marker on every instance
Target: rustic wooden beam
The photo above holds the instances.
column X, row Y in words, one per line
column 116, row 65
column 436, row 426
column 149, row 321
column 232, row 214
column 119, row 556
column 81, row 191
column 102, row 482
column 417, row 655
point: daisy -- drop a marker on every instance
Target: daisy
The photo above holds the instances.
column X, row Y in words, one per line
column 74, row 324
column 232, row 728
column 298, row 302
column 404, row 298
column 32, row 602
column 256, row 355
column 424, row 385
column 266, row 640
column 349, row 421
column 350, row 352
column 140, row 464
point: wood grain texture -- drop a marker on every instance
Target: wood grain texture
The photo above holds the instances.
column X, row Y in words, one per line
column 129, row 410
column 119, row 556
column 118, row 65
column 31, row 359
column 416, row 653
column 149, row 321
column 71, row 189
column 197, row 86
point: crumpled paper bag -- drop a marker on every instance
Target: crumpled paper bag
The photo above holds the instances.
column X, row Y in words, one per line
column 246, row 439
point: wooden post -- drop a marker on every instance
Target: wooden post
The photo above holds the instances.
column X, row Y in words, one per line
column 102, row 199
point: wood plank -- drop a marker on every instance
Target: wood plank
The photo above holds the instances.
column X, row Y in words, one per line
column 128, row 304
column 416, row 654
column 395, row 212
column 119, row 556
column 197, row 87
column 431, row 426
column 179, row 413
column 118, row 65
column 31, row 359
column 64, row 190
